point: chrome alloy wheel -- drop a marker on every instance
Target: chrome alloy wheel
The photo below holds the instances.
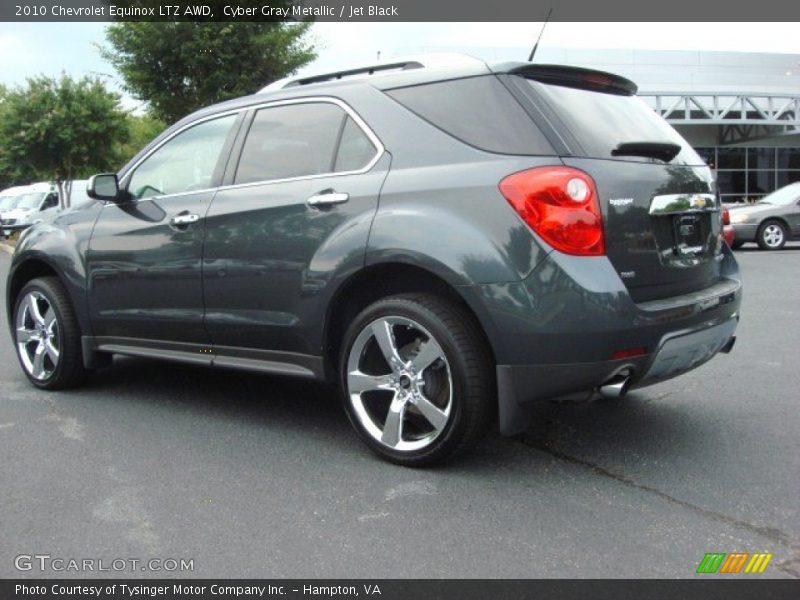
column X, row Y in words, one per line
column 772, row 235
column 399, row 383
column 38, row 342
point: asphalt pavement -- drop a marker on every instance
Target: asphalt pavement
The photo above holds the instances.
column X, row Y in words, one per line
column 257, row 476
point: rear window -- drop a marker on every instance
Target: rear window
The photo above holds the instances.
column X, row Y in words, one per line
column 599, row 122
column 479, row 111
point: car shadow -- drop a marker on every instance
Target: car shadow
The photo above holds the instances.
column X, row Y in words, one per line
column 624, row 430
column 224, row 393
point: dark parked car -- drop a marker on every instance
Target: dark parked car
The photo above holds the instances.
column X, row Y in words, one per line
column 770, row 222
column 448, row 245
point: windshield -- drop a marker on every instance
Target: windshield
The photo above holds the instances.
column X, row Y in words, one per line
column 30, row 201
column 7, row 202
column 784, row 196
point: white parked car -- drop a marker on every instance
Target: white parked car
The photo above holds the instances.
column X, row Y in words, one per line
column 8, row 200
column 28, row 205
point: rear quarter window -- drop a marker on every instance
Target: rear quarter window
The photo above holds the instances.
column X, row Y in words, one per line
column 479, row 111
column 355, row 148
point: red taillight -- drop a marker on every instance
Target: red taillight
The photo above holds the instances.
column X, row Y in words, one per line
column 726, row 216
column 561, row 205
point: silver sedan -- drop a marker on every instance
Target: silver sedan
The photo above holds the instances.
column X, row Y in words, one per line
column 770, row 222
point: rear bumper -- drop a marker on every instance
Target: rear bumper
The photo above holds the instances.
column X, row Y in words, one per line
column 519, row 386
column 745, row 232
column 556, row 332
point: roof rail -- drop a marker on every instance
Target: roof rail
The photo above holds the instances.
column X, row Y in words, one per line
column 423, row 61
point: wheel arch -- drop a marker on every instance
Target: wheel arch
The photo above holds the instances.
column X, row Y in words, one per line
column 30, row 268
column 377, row 281
column 778, row 218
column 24, row 272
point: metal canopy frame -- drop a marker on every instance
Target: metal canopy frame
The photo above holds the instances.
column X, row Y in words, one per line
column 740, row 117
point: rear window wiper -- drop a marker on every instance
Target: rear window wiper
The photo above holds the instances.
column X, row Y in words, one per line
column 665, row 151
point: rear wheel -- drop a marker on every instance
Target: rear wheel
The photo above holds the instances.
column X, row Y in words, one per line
column 417, row 379
column 772, row 235
column 47, row 335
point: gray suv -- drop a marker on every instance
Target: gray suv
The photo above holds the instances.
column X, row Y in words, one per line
column 449, row 245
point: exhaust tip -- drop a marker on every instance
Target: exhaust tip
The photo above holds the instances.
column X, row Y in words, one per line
column 617, row 386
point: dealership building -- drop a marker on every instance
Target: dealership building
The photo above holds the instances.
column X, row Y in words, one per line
column 741, row 111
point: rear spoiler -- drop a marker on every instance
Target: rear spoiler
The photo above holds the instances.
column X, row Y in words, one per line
column 575, row 77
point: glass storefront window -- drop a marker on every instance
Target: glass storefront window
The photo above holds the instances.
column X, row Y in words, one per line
column 760, row 182
column 732, row 182
column 789, row 158
column 787, row 177
column 751, row 173
column 731, row 158
column 760, row 158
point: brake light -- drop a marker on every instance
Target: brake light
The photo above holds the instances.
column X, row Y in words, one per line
column 726, row 216
column 561, row 205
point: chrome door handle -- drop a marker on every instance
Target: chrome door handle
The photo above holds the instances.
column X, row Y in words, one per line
column 327, row 198
column 184, row 219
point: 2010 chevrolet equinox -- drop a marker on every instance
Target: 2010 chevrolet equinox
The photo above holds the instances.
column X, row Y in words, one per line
column 448, row 244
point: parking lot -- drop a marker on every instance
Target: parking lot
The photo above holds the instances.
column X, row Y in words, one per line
column 253, row 476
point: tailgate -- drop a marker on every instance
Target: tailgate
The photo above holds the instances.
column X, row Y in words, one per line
column 662, row 225
column 658, row 198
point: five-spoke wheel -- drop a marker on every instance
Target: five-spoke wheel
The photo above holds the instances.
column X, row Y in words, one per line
column 416, row 378
column 47, row 335
column 37, row 335
column 399, row 383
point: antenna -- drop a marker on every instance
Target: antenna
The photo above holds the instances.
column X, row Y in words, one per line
column 541, row 31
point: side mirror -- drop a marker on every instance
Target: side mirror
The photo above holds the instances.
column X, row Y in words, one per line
column 103, row 187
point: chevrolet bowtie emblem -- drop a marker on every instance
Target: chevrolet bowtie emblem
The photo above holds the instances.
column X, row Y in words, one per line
column 697, row 202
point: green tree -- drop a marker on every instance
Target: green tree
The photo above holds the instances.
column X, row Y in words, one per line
column 142, row 129
column 178, row 67
column 5, row 176
column 60, row 129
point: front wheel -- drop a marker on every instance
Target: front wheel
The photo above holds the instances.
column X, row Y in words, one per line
column 417, row 379
column 47, row 335
column 772, row 235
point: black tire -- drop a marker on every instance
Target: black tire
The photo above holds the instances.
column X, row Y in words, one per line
column 69, row 370
column 772, row 235
column 471, row 398
column 736, row 245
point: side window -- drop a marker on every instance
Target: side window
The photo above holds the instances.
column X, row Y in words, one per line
column 183, row 164
column 355, row 148
column 50, row 201
column 293, row 140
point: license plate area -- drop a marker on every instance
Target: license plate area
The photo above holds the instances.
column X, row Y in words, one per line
column 689, row 233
